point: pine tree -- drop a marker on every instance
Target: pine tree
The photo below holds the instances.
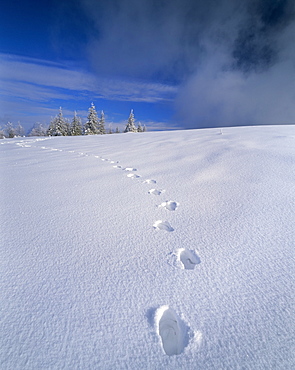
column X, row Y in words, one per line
column 76, row 126
column 19, row 130
column 139, row 127
column 67, row 128
column 101, row 124
column 92, row 124
column 144, row 128
column 9, row 130
column 2, row 136
column 117, row 130
column 130, row 127
column 58, row 126
column 38, row 130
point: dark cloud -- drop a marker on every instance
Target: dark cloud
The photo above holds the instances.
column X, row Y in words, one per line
column 253, row 51
column 256, row 47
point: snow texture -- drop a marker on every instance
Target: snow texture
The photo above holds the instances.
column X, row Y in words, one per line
column 90, row 279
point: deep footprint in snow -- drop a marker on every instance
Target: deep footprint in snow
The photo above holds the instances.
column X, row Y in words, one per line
column 156, row 192
column 133, row 176
column 188, row 258
column 170, row 205
column 150, row 181
column 163, row 225
column 173, row 332
column 130, row 169
column 120, row 167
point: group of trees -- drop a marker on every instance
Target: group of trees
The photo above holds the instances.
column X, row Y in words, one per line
column 59, row 126
column 12, row 131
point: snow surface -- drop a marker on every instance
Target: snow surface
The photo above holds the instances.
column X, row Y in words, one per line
column 89, row 282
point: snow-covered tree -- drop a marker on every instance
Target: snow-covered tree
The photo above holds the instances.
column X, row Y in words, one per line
column 130, row 127
column 101, row 124
column 58, row 126
column 38, row 130
column 76, row 126
column 9, row 130
column 117, row 130
column 139, row 127
column 19, row 130
column 92, row 124
column 144, row 128
column 2, row 136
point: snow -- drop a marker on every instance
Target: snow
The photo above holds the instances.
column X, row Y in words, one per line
column 89, row 282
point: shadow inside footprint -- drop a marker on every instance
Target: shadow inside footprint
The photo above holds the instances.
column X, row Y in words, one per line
column 163, row 225
column 150, row 181
column 173, row 332
column 155, row 191
column 133, row 176
column 170, row 205
column 188, row 258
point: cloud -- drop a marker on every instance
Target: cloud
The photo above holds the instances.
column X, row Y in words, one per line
column 232, row 60
column 32, row 79
column 222, row 94
column 162, row 40
column 226, row 98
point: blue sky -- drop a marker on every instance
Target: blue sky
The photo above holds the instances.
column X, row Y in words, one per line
column 178, row 63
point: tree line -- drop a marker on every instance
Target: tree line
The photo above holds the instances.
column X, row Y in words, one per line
column 60, row 126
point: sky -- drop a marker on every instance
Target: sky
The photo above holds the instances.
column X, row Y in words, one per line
column 179, row 64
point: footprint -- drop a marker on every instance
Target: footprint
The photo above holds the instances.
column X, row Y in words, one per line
column 130, row 169
column 117, row 167
column 170, row 205
column 163, row 225
column 133, row 176
column 156, row 192
column 188, row 258
column 150, row 181
column 172, row 330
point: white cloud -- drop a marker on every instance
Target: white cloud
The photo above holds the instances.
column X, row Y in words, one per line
column 32, row 79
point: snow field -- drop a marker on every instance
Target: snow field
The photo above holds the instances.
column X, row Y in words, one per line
column 89, row 281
